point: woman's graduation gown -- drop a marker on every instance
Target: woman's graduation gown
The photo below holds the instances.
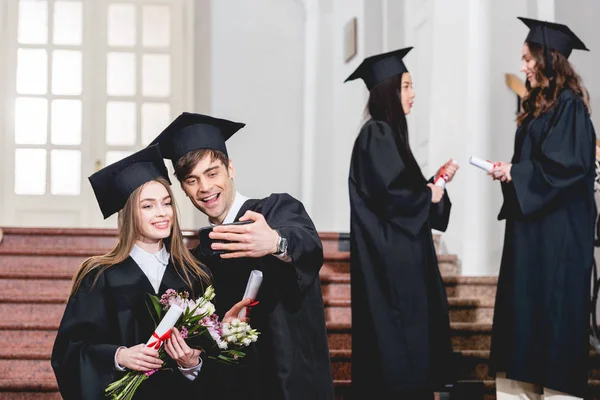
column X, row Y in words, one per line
column 400, row 324
column 103, row 316
column 541, row 318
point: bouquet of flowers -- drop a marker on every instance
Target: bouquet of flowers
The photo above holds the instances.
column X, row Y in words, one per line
column 199, row 325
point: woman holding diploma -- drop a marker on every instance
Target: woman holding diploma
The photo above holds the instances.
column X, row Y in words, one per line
column 540, row 334
column 400, row 326
column 107, row 322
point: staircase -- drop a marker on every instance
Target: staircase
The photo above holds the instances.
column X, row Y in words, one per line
column 36, row 266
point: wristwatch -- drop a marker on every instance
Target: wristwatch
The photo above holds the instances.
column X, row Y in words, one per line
column 282, row 245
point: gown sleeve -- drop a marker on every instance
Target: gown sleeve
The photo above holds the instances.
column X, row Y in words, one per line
column 289, row 217
column 567, row 154
column 83, row 357
column 439, row 214
column 382, row 180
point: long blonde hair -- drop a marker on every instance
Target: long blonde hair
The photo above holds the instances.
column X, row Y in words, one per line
column 186, row 266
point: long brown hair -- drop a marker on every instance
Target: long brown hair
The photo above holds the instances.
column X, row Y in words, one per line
column 184, row 262
column 551, row 81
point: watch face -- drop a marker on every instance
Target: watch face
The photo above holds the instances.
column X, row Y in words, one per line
column 283, row 245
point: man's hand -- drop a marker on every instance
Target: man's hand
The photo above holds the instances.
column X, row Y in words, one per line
column 252, row 240
column 235, row 310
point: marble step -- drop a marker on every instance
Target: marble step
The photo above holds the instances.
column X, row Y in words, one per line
column 465, row 335
column 473, row 310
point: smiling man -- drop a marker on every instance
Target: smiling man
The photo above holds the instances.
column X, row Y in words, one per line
column 291, row 358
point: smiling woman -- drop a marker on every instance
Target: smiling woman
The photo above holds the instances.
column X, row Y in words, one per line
column 154, row 214
column 106, row 320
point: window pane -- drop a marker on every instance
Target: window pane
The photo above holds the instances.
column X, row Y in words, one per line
column 67, row 22
column 121, row 123
column 155, row 118
column 32, row 71
column 157, row 26
column 66, row 72
column 156, row 75
column 65, row 122
column 31, row 119
column 121, row 25
column 120, row 71
column 114, row 156
column 65, row 172
column 33, row 21
column 30, row 171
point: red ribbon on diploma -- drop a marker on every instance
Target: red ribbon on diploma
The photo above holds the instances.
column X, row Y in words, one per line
column 443, row 175
column 160, row 339
column 254, row 303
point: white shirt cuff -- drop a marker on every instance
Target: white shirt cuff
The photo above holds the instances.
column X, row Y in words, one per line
column 191, row 373
column 117, row 366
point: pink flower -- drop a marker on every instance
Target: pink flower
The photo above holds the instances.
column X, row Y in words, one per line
column 150, row 372
column 184, row 332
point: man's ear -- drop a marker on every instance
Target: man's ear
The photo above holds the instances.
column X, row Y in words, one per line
column 231, row 169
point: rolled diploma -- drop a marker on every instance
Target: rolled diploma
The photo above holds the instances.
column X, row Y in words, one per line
column 168, row 322
column 252, row 287
column 440, row 181
column 483, row 164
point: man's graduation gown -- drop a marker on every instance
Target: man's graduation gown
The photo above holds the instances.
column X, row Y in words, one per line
column 542, row 310
column 400, row 325
column 102, row 317
column 290, row 360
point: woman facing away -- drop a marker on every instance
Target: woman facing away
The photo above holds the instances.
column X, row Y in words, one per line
column 107, row 321
column 400, row 324
column 540, row 339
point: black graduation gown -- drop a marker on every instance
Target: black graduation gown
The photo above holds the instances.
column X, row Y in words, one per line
column 290, row 360
column 540, row 332
column 98, row 320
column 400, row 324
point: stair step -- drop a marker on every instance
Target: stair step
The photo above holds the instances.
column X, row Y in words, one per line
column 337, row 264
column 335, row 271
column 27, row 345
column 102, row 240
column 470, row 364
column 27, row 375
column 35, row 290
column 471, row 286
column 462, row 310
column 30, row 316
column 27, row 266
column 32, row 238
column 335, row 290
column 30, row 396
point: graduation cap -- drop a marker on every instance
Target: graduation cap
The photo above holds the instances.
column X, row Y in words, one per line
column 114, row 183
column 376, row 69
column 552, row 35
column 191, row 131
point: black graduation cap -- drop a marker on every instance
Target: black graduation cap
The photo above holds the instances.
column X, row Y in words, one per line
column 191, row 131
column 376, row 69
column 114, row 183
column 552, row 35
